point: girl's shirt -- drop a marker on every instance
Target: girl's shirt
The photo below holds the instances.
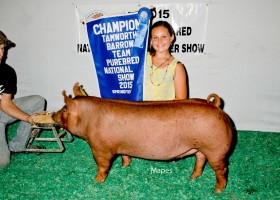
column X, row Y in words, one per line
column 159, row 82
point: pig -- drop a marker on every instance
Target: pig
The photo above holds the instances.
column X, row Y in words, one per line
column 153, row 130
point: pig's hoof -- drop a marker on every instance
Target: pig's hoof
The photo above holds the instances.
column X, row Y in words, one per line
column 194, row 176
column 99, row 179
column 126, row 161
column 125, row 164
column 218, row 191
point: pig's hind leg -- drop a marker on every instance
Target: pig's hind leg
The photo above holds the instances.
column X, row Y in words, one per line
column 199, row 165
column 220, row 166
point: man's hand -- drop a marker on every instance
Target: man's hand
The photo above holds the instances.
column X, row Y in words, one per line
column 30, row 120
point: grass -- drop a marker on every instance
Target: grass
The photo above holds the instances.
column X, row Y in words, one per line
column 254, row 173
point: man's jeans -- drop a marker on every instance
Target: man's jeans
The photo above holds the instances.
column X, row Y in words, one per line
column 28, row 104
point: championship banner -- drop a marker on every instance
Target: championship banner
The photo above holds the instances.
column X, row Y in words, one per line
column 118, row 78
column 189, row 21
column 119, row 46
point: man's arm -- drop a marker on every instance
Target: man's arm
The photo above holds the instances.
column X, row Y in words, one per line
column 8, row 107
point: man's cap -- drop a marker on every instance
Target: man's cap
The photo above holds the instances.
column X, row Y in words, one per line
column 4, row 40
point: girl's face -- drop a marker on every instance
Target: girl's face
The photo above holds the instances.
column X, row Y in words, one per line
column 161, row 39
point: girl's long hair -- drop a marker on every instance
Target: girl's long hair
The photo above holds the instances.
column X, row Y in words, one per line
column 170, row 30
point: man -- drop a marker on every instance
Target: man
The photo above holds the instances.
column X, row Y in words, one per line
column 13, row 109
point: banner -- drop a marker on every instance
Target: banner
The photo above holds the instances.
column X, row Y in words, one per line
column 189, row 21
column 119, row 77
column 119, row 47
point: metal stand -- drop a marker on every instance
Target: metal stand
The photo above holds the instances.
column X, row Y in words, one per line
column 38, row 130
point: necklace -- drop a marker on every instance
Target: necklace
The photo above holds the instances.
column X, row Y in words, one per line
column 152, row 72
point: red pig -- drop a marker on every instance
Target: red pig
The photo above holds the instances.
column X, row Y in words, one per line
column 159, row 130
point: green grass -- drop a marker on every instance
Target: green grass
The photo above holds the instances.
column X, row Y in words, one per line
column 254, row 173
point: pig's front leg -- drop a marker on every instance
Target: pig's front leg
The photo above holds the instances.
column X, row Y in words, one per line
column 126, row 160
column 103, row 162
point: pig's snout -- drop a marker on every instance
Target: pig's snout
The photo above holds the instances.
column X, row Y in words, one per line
column 59, row 119
column 55, row 118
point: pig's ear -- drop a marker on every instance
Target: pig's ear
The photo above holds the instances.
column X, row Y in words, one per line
column 76, row 84
column 64, row 93
column 76, row 89
column 66, row 98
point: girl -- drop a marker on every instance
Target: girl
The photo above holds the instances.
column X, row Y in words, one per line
column 165, row 77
